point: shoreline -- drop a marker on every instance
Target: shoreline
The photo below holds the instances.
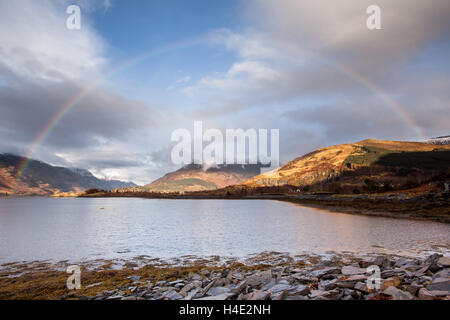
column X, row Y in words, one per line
column 433, row 207
column 265, row 276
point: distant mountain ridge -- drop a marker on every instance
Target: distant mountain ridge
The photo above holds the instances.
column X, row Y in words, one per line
column 196, row 177
column 41, row 178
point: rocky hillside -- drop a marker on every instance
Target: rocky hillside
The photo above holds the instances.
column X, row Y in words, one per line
column 195, row 177
column 365, row 166
column 43, row 179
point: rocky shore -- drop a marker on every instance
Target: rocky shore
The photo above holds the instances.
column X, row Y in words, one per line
column 266, row 277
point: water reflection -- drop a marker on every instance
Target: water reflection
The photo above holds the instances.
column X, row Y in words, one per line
column 76, row 229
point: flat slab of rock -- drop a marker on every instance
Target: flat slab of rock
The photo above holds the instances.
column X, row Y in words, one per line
column 322, row 272
column 218, row 291
column 279, row 288
column 444, row 261
column 440, row 284
column 223, row 296
column 350, row 270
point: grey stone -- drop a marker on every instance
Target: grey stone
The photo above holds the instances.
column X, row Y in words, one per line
column 259, row 278
column 207, row 287
column 215, row 291
column 444, row 261
column 259, row 295
column 440, row 284
column 269, row 285
column 391, row 282
column 424, row 294
column 300, row 289
column 190, row 286
column 193, row 294
column 388, row 273
column 361, row 286
column 195, row 276
column 296, row 298
column 351, row 270
column 327, row 271
column 445, row 273
column 412, row 288
column 134, row 278
column 279, row 295
column 350, row 281
column 397, row 294
column 328, row 284
column 434, row 258
column 279, row 287
column 382, row 262
column 115, row 297
column 129, row 298
column 305, row 279
column 240, row 286
column 401, row 262
column 438, row 293
column 223, row 296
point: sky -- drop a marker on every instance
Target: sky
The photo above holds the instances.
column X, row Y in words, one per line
column 138, row 70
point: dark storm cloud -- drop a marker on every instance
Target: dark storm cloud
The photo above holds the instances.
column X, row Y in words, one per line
column 28, row 109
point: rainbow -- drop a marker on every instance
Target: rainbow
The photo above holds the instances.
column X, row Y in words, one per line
column 45, row 132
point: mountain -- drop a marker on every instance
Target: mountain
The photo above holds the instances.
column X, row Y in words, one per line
column 365, row 166
column 194, row 177
column 41, row 178
column 444, row 140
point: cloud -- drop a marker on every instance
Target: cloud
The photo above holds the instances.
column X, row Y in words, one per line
column 37, row 46
column 45, row 67
column 183, row 79
column 328, row 75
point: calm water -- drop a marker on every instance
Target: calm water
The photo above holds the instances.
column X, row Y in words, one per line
column 77, row 229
